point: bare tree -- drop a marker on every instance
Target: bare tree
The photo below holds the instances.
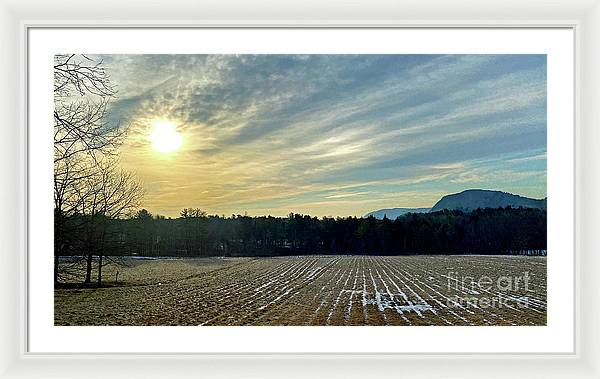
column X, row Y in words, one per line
column 192, row 213
column 86, row 180
column 110, row 194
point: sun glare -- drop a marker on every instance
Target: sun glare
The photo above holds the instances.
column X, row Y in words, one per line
column 164, row 137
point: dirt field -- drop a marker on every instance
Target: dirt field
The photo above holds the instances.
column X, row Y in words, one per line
column 348, row 290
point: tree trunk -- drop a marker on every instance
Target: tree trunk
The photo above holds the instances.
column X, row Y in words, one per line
column 55, row 270
column 88, row 271
column 100, row 270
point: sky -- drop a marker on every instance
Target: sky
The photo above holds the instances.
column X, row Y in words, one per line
column 330, row 135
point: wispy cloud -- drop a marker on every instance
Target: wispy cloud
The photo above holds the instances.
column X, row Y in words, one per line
column 332, row 134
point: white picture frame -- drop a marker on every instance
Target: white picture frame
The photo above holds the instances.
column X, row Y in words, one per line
column 19, row 17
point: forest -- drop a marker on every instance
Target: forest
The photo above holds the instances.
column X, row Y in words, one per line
column 196, row 234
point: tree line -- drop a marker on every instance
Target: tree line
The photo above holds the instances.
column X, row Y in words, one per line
column 195, row 234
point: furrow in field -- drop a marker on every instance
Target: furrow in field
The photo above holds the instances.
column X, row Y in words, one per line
column 278, row 311
column 317, row 290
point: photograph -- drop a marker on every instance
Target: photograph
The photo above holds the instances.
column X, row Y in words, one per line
column 299, row 190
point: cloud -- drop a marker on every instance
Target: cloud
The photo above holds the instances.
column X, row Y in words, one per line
column 281, row 131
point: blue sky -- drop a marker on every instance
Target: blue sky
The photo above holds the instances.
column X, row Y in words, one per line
column 331, row 134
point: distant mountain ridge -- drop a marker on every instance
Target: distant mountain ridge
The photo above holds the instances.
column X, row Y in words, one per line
column 477, row 198
column 467, row 201
column 394, row 213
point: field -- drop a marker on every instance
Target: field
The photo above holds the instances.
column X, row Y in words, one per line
column 314, row 290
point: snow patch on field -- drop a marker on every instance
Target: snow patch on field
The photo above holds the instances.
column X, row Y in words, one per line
column 383, row 302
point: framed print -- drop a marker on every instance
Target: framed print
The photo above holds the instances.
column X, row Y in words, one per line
column 290, row 191
column 229, row 196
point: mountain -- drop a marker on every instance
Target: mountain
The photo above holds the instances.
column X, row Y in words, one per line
column 394, row 213
column 476, row 198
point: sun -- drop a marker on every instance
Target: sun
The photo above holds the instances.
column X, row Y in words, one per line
column 164, row 137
